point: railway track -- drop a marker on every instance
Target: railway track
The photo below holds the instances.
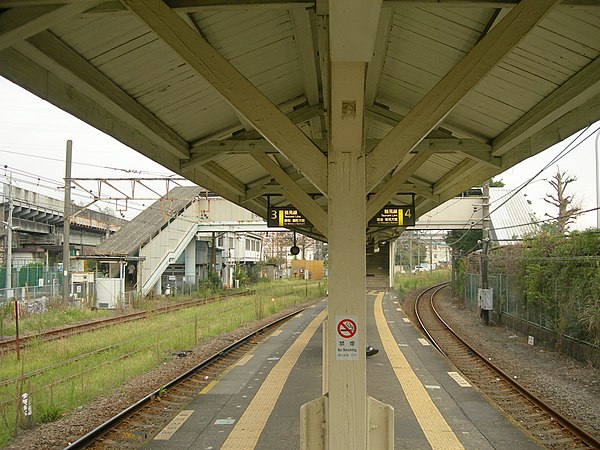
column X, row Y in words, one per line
column 133, row 426
column 9, row 345
column 546, row 425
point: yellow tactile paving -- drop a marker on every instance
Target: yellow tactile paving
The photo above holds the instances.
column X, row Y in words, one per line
column 214, row 382
column 174, row 425
column 247, row 431
column 244, row 359
column 434, row 426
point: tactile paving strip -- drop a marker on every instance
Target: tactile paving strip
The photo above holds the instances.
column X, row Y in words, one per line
column 434, row 426
column 246, row 433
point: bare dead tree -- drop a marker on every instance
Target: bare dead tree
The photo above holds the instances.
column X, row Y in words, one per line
column 566, row 210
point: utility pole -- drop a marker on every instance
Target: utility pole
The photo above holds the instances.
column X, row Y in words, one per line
column 485, row 313
column 430, row 251
column 453, row 274
column 9, row 230
column 598, row 179
column 67, row 222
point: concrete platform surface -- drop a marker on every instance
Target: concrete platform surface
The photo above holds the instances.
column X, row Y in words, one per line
column 256, row 403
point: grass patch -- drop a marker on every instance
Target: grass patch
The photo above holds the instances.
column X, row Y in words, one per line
column 63, row 375
column 54, row 318
column 407, row 282
column 50, row 413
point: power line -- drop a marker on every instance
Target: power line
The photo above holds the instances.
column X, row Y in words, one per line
column 47, row 158
column 564, row 152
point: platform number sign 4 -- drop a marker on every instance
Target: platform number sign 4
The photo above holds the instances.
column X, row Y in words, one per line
column 394, row 216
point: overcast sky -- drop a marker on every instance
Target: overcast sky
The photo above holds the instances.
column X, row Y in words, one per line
column 33, row 136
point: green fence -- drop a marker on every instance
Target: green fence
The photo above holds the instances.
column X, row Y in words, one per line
column 512, row 310
column 32, row 275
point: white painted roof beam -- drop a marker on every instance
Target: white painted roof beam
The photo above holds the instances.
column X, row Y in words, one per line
column 235, row 88
column 52, row 54
column 451, row 89
column 294, row 193
column 18, row 24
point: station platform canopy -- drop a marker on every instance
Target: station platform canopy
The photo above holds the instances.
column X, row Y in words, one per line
column 235, row 95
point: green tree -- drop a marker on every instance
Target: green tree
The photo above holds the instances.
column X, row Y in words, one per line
column 464, row 242
column 560, row 279
column 410, row 250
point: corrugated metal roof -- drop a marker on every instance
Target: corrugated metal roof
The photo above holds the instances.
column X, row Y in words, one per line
column 148, row 223
column 511, row 216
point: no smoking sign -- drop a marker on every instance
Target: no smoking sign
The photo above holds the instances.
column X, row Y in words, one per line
column 346, row 344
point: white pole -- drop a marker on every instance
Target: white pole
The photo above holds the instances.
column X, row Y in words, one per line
column 67, row 223
column 598, row 179
column 9, row 231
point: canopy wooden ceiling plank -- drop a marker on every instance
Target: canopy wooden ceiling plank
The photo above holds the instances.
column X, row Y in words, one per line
column 463, row 77
column 54, row 55
column 557, row 131
column 222, row 175
column 576, row 91
column 186, row 16
column 392, row 118
column 54, row 89
column 114, row 6
column 20, row 23
column 303, row 35
column 236, row 89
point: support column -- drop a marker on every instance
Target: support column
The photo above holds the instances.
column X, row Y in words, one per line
column 340, row 419
column 190, row 262
column 347, row 421
column 392, row 263
column 67, row 225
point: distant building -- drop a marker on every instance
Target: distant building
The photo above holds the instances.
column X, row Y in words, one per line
column 183, row 238
column 307, row 270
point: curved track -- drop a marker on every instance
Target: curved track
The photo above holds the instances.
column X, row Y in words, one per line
column 133, row 426
column 9, row 345
column 545, row 424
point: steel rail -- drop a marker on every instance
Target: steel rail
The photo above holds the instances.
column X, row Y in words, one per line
column 421, row 324
column 8, row 345
column 585, row 437
column 103, row 428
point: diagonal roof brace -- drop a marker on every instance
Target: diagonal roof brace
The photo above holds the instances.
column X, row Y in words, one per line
column 242, row 95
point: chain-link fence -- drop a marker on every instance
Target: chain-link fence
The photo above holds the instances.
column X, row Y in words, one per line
column 512, row 310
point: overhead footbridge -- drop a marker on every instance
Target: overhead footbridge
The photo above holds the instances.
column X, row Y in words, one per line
column 338, row 109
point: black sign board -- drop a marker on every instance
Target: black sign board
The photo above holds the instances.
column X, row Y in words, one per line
column 394, row 216
column 287, row 217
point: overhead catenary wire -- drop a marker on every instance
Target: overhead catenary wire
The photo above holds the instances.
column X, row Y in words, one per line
column 51, row 184
column 97, row 166
column 87, row 196
column 564, row 152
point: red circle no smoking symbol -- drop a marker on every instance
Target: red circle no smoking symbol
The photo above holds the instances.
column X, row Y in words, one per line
column 346, row 328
